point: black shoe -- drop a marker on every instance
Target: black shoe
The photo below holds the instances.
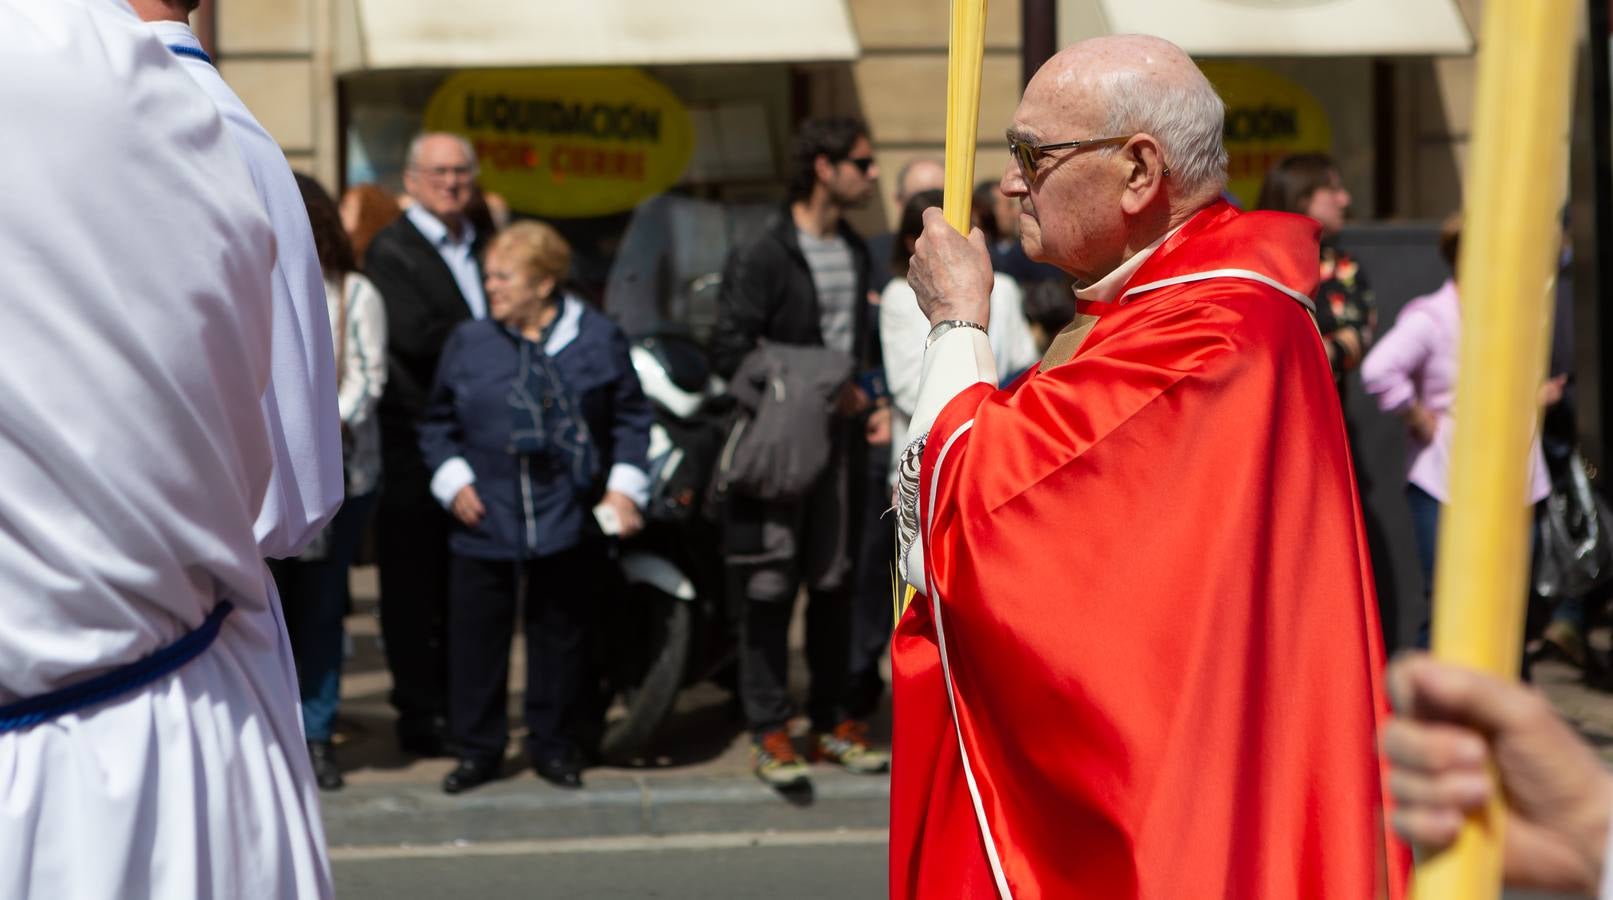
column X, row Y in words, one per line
column 468, row 774
column 326, row 772
column 562, row 771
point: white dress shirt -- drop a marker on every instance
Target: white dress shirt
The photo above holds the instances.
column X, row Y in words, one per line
column 457, row 253
column 300, row 402
column 135, row 347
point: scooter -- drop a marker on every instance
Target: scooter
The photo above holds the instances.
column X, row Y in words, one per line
column 668, row 627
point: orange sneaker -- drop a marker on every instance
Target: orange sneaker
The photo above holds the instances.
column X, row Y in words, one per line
column 847, row 747
column 775, row 763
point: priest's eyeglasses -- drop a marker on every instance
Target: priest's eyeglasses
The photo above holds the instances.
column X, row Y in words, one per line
column 1030, row 154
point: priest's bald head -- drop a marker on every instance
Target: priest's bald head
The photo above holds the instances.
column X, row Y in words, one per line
column 1150, row 156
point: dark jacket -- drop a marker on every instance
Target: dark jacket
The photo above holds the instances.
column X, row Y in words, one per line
column 767, row 293
column 533, row 507
column 423, row 305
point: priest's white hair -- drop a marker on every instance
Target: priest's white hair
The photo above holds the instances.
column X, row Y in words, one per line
column 1185, row 114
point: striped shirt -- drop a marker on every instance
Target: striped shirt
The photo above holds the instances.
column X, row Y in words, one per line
column 836, row 281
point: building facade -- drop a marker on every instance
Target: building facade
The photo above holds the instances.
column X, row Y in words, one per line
column 1399, row 125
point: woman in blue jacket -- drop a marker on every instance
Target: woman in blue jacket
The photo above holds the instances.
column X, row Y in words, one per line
column 536, row 418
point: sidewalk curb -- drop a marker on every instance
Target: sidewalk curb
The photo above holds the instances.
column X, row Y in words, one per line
column 523, row 808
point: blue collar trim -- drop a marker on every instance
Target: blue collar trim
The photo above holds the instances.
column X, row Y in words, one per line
column 192, row 52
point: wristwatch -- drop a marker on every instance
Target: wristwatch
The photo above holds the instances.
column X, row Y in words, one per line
column 947, row 325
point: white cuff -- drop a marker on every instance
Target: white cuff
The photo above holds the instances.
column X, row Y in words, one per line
column 959, row 360
column 913, row 566
column 449, row 479
column 630, row 480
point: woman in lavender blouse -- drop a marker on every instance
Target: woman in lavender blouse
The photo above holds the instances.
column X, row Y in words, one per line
column 1412, row 371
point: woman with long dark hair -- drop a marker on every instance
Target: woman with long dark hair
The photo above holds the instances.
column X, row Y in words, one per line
column 313, row 587
column 1309, row 184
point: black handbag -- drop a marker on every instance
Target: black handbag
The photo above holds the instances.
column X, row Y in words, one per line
column 1575, row 551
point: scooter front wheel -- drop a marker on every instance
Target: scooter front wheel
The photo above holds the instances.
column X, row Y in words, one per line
column 647, row 665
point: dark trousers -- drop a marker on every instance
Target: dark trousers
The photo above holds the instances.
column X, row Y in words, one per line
column 412, row 551
column 1425, row 510
column 313, row 593
column 555, row 597
column 764, row 659
column 872, row 603
column 803, row 542
column 1425, row 515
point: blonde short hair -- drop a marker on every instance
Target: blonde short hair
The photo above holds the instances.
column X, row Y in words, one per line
column 536, row 247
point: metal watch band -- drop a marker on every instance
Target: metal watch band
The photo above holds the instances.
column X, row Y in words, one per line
column 947, row 325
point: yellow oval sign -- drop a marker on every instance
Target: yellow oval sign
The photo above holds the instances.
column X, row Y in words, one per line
column 1268, row 117
column 566, row 143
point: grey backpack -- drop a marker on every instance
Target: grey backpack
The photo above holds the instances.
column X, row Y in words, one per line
column 779, row 443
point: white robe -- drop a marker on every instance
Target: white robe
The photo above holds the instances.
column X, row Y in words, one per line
column 134, row 352
column 300, row 404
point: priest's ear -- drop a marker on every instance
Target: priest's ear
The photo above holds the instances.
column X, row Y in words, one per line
column 1146, row 173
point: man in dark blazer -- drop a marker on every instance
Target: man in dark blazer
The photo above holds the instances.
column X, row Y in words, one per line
column 426, row 265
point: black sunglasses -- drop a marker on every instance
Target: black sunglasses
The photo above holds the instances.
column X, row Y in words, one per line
column 1030, row 154
column 863, row 163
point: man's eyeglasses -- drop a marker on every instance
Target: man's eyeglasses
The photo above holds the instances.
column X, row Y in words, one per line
column 1030, row 154
column 442, row 173
column 863, row 163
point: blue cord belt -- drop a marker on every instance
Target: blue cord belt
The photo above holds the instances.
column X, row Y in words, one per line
column 122, row 680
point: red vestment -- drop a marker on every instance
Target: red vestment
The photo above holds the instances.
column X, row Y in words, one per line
column 1149, row 665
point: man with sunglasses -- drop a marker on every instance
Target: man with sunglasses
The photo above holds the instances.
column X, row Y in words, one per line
column 804, row 281
column 1144, row 660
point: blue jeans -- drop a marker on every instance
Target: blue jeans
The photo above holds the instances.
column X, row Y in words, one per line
column 313, row 594
column 1425, row 511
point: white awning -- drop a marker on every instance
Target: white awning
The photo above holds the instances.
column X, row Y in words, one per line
column 1278, row 27
column 408, row 34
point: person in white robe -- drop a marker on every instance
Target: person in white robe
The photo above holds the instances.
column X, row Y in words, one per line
column 300, row 403
column 135, row 334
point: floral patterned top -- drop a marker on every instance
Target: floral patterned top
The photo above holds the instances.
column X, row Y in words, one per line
column 1345, row 312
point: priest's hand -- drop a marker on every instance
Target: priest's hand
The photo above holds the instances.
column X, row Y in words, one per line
column 467, row 506
column 951, row 274
column 1451, row 724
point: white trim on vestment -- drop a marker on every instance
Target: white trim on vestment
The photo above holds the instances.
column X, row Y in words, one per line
column 1244, row 274
column 946, row 672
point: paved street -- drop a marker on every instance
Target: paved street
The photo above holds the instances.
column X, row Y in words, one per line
column 689, row 821
column 846, row 865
